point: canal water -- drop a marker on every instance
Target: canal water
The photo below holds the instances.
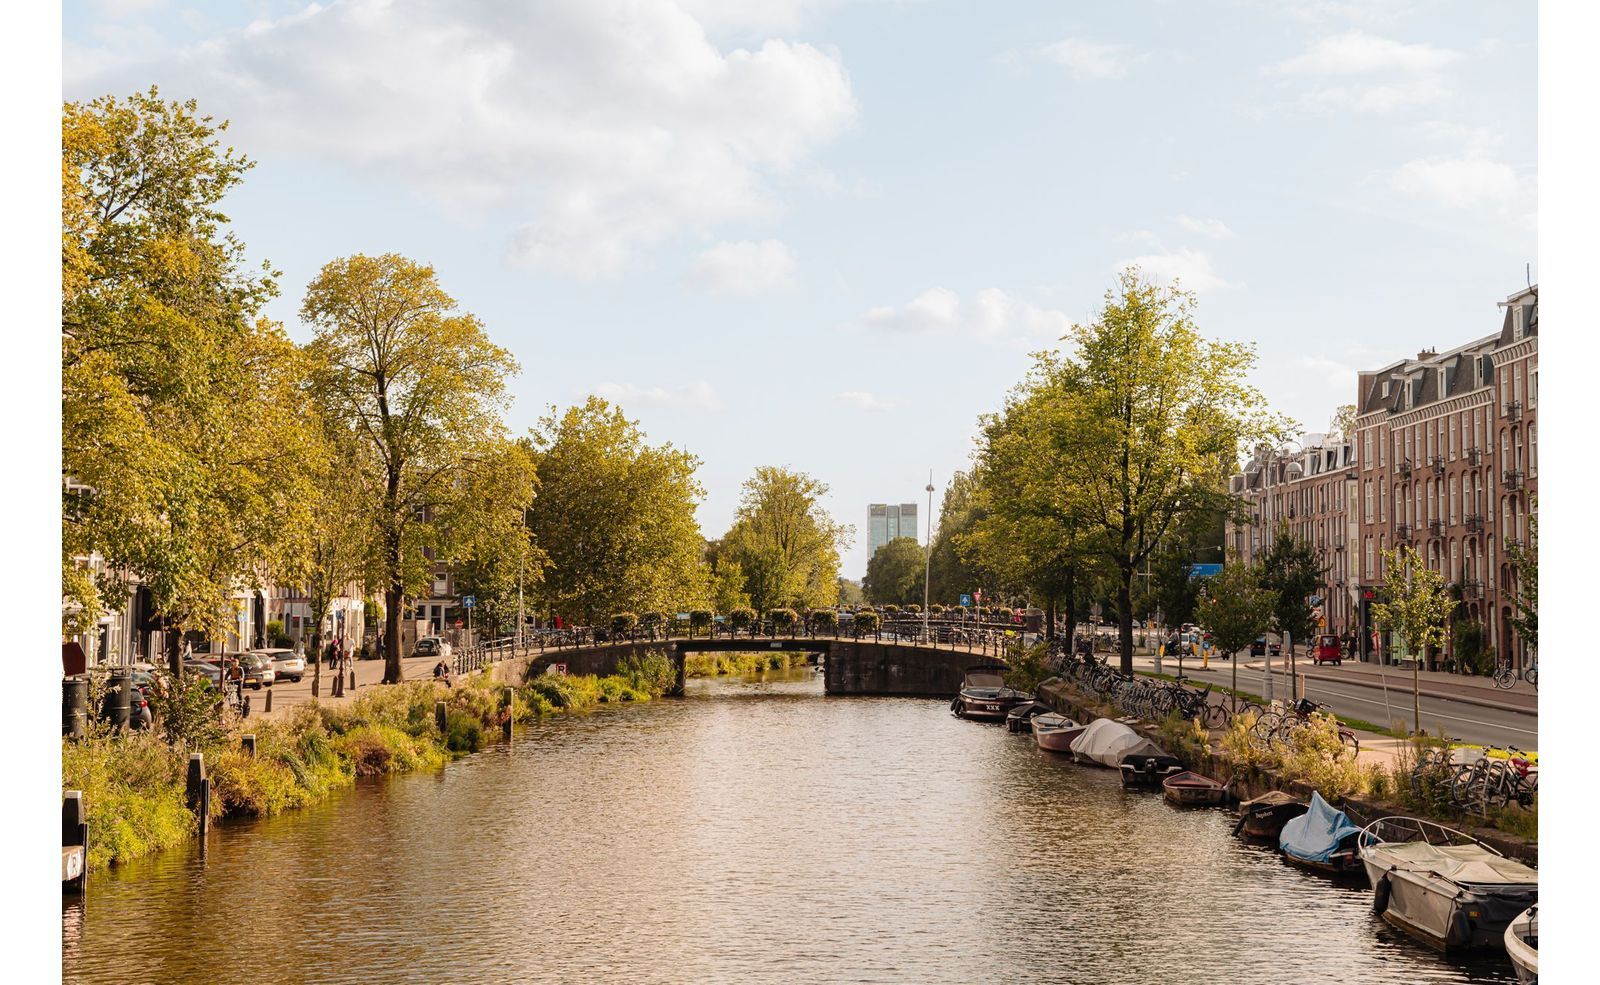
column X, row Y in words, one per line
column 754, row 831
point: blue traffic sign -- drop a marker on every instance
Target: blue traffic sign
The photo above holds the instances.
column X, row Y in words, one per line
column 1204, row 570
column 468, row 601
column 966, row 600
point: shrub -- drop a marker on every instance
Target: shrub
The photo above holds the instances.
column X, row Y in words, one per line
column 868, row 620
column 1314, row 754
column 1238, row 743
column 783, row 619
column 463, row 733
column 936, row 609
column 914, row 609
column 652, row 621
column 187, row 709
column 826, row 620
column 1029, row 666
column 133, row 792
column 891, row 609
column 253, row 786
column 623, row 622
column 1185, row 738
column 651, row 674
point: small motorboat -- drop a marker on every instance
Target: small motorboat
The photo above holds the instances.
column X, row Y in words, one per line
column 1147, row 766
column 1322, row 839
column 1522, row 945
column 1056, row 733
column 984, row 694
column 1020, row 718
column 1265, row 816
column 1443, row 886
column 1190, row 789
column 1104, row 742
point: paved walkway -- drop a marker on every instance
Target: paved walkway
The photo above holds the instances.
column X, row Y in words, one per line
column 369, row 674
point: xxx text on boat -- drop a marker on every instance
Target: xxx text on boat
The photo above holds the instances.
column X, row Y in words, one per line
column 984, row 694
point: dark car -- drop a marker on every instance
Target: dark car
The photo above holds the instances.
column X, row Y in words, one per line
column 1260, row 646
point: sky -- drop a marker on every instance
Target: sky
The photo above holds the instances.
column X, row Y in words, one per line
column 828, row 234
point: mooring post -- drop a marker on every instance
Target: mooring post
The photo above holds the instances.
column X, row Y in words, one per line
column 195, row 779
column 247, row 742
column 439, row 717
column 508, row 702
column 205, row 812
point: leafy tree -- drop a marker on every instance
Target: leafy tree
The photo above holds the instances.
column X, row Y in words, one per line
column 785, row 542
column 1414, row 605
column 1237, row 608
column 850, row 592
column 824, row 620
column 1525, row 596
column 951, row 573
column 488, row 546
column 1343, row 424
column 1156, row 418
column 727, row 587
column 419, row 386
column 616, row 516
column 181, row 445
column 867, row 621
column 895, row 572
column 1290, row 570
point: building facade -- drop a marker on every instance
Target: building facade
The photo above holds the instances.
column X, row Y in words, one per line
column 887, row 521
column 1442, row 457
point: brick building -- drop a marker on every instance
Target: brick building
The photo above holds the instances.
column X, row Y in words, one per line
column 1443, row 457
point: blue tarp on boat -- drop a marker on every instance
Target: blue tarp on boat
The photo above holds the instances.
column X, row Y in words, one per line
column 1316, row 834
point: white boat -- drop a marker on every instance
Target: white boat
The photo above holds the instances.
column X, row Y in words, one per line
column 1056, row 733
column 1522, row 944
column 1444, row 886
column 1104, row 742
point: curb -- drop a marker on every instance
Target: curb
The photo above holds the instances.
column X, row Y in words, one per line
column 1423, row 691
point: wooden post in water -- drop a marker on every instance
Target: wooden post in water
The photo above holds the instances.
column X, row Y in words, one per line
column 205, row 812
column 507, row 702
column 74, row 843
column 195, row 779
column 248, row 744
column 439, row 717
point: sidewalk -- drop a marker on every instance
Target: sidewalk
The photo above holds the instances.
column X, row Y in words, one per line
column 369, row 673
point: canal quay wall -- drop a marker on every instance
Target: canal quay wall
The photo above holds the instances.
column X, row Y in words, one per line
column 1250, row 782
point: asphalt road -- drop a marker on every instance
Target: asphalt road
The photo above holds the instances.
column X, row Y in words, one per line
column 1459, row 719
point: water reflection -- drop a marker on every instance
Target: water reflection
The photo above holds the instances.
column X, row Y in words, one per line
column 752, row 832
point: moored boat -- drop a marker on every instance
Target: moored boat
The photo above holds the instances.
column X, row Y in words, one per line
column 1056, row 733
column 1522, row 945
column 1443, row 886
column 1265, row 816
column 1020, row 718
column 984, row 694
column 1146, row 766
column 1104, row 742
column 1190, row 789
column 1322, row 839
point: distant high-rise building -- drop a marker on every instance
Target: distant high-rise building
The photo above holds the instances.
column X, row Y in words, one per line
column 886, row 521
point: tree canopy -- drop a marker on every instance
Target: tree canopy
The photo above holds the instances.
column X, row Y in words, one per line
column 615, row 516
column 785, row 542
column 895, row 573
column 1291, row 571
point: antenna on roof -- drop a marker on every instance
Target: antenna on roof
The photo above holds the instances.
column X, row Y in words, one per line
column 1527, row 273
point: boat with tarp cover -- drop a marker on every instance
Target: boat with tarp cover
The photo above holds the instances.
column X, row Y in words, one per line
column 1322, row 839
column 1444, row 886
column 1104, row 742
column 1265, row 816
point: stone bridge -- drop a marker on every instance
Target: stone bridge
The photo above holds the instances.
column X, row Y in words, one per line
column 851, row 666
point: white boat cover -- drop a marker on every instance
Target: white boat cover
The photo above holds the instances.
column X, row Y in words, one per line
column 1469, row 864
column 1105, row 742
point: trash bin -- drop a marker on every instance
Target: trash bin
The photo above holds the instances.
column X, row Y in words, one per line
column 75, row 707
column 119, row 698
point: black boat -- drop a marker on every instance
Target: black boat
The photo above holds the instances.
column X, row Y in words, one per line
column 1146, row 765
column 984, row 694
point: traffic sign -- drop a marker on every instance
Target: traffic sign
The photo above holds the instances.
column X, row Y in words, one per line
column 966, row 600
column 459, row 624
column 467, row 601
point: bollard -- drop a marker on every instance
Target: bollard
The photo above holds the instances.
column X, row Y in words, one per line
column 507, row 701
column 74, row 843
column 244, row 707
column 247, row 742
column 119, row 698
column 195, row 779
column 205, row 812
column 439, row 717
column 268, row 709
column 352, row 680
column 75, row 707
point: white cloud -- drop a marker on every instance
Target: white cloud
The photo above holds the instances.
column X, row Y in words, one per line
column 1458, row 182
column 695, row 395
column 1191, row 268
column 1086, row 59
column 744, row 268
column 862, row 400
column 1356, row 53
column 1335, row 374
column 1383, row 75
column 1475, row 141
column 991, row 313
column 597, row 128
column 1210, row 228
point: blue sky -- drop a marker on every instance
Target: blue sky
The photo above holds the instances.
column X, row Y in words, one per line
column 826, row 234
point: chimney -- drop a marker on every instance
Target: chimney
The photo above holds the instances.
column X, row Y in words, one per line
column 1427, row 353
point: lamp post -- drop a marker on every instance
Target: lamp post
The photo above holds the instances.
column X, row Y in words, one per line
column 927, row 561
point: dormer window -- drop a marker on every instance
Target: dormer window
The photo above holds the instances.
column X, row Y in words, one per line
column 1517, row 314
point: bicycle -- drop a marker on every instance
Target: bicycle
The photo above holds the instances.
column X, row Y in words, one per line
column 1302, row 711
column 1505, row 676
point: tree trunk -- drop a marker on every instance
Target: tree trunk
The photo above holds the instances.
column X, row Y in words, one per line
column 173, row 641
column 393, row 598
column 1050, row 618
column 1072, row 609
column 1125, row 620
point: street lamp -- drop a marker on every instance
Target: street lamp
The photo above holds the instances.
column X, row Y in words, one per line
column 927, row 560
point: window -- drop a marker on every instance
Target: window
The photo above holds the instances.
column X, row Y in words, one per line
column 1477, row 429
column 1452, row 439
column 1430, row 444
column 1533, row 451
column 1433, row 502
column 1408, row 457
column 1533, row 385
column 1367, row 516
column 1397, row 455
column 1382, row 500
column 1455, row 559
column 1370, row 567
column 1366, row 449
column 1455, row 496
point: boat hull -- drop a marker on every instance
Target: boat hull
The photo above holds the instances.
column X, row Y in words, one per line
column 1443, row 914
column 1193, row 790
column 1057, row 739
column 1522, row 946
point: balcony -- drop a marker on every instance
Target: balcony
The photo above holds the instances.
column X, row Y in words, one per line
column 1474, row 456
column 1435, row 528
column 1514, row 410
column 1474, row 523
column 1437, row 462
column 1471, row 590
column 1513, row 543
column 1402, row 532
column 1512, row 480
column 1404, row 468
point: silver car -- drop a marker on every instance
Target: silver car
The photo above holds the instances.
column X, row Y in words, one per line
column 287, row 665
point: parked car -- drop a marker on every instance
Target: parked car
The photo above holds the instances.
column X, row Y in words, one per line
column 1328, row 650
column 431, row 646
column 1260, row 646
column 257, row 670
column 287, row 665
